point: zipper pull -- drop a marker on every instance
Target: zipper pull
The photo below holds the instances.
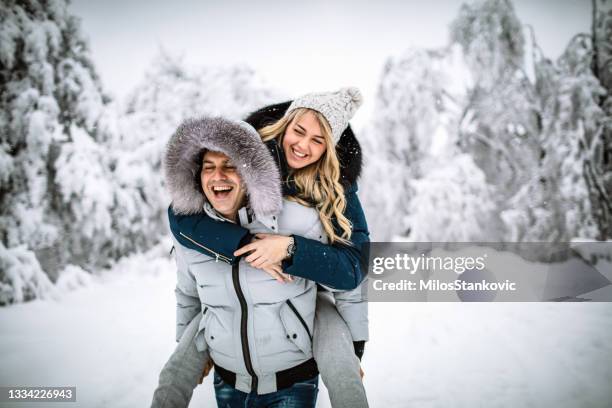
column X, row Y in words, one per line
column 216, row 257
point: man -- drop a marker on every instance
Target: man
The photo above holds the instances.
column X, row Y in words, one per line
column 257, row 331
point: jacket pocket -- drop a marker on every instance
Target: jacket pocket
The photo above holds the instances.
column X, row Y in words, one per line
column 296, row 328
column 217, row 334
column 200, row 339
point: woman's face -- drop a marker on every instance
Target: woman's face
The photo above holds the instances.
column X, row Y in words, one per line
column 303, row 142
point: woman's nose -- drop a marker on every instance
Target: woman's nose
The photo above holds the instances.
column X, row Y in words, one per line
column 303, row 143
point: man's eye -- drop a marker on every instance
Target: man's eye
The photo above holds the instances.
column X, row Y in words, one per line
column 230, row 168
column 209, row 168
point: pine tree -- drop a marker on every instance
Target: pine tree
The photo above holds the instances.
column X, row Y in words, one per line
column 59, row 191
column 32, row 122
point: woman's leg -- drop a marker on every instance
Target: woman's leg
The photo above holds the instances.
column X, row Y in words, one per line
column 182, row 372
column 333, row 350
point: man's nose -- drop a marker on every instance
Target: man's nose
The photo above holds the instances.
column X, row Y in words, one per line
column 219, row 174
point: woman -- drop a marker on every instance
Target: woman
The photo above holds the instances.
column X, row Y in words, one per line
column 320, row 160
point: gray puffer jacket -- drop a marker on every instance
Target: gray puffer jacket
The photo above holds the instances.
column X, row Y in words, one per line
column 252, row 325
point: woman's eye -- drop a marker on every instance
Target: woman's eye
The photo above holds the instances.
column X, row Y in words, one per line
column 299, row 132
column 317, row 141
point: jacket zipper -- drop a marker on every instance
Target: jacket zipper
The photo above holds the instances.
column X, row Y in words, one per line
column 217, row 255
column 299, row 316
column 280, row 164
column 246, row 352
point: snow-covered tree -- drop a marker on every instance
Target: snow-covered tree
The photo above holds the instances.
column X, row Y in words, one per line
column 500, row 123
column 453, row 203
column 22, row 276
column 572, row 137
column 45, row 77
column 413, row 132
column 602, row 69
column 81, row 176
column 562, row 199
column 534, row 128
column 58, row 191
column 171, row 93
column 492, row 39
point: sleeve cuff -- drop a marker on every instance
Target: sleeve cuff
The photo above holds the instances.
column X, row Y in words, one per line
column 245, row 240
column 359, row 347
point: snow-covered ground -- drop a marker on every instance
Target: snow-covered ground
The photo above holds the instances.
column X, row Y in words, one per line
column 111, row 338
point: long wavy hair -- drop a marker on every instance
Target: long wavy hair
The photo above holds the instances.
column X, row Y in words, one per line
column 319, row 182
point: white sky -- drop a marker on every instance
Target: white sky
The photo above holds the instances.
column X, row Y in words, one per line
column 298, row 47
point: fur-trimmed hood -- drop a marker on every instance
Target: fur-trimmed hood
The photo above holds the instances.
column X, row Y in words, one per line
column 347, row 148
column 241, row 143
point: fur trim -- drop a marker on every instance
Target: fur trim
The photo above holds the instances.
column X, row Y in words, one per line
column 348, row 148
column 241, row 143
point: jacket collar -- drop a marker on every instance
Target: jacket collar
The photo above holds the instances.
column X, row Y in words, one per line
column 245, row 216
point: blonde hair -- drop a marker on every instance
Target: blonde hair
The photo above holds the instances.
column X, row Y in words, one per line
column 319, row 182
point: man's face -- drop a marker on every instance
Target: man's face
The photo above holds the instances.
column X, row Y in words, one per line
column 221, row 184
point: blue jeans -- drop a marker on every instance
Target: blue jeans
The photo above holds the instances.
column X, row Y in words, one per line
column 299, row 395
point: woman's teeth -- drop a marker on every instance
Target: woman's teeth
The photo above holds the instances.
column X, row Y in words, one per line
column 298, row 154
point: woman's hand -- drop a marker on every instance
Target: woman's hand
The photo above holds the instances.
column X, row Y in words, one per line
column 276, row 271
column 206, row 370
column 265, row 250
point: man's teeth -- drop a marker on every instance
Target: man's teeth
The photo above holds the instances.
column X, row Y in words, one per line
column 221, row 188
column 298, row 154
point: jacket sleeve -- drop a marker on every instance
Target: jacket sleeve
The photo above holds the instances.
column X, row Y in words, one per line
column 214, row 238
column 337, row 266
column 188, row 303
column 353, row 307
